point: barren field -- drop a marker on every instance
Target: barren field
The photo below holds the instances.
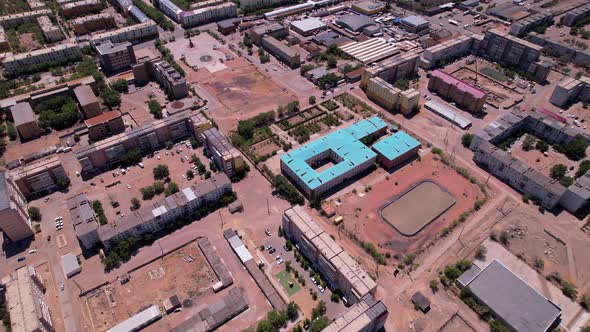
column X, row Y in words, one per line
column 184, row 273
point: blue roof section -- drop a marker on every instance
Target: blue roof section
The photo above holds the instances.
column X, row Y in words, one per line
column 396, row 145
column 346, row 146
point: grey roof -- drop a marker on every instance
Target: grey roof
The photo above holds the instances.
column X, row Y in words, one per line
column 355, row 22
column 85, row 95
column 139, row 320
column 415, row 20
column 308, row 24
column 213, row 259
column 469, row 275
column 513, row 300
column 70, row 264
column 330, row 37
column 4, row 195
column 22, row 113
column 140, row 16
column 108, row 47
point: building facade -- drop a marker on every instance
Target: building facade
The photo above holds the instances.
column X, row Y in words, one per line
column 89, row 104
column 87, row 24
column 571, row 17
column 13, row 20
column 51, row 31
column 63, row 52
column 147, row 29
column 392, row 69
column 80, row 7
column 368, row 315
column 105, row 125
column 571, row 90
column 433, row 56
column 210, row 14
column 391, row 98
column 224, row 154
column 466, row 96
column 163, row 73
column 14, row 217
column 39, row 177
column 84, row 221
column 116, row 57
column 25, row 121
column 282, row 52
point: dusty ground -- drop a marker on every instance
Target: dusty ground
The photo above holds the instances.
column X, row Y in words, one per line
column 537, row 160
column 265, row 147
column 135, row 102
column 151, row 284
column 51, row 296
column 361, row 211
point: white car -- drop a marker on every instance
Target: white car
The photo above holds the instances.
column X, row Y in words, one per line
column 128, row 187
column 58, row 219
column 32, row 251
column 141, row 165
column 158, row 157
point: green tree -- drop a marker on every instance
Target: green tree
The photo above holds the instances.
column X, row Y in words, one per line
column 498, row 326
column 466, row 139
column 161, row 172
column 452, row 272
column 11, row 131
column 566, row 181
column 171, row 189
column 110, row 97
column 558, row 171
column 120, row 85
column 481, row 252
column 34, row 213
column 576, row 149
column 568, row 289
column 155, row 109
column 529, row 143
column 583, row 168
column 135, row 203
column 312, row 100
column 542, row 146
column 246, row 128
column 292, row 310
column 319, row 324
column 158, row 187
column 434, row 285
column 332, row 62
column 133, row 156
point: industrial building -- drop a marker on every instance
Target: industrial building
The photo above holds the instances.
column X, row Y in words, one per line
column 25, row 121
column 396, row 149
column 448, row 114
column 172, row 82
column 25, row 301
column 156, row 215
column 370, row 50
column 291, row 10
column 354, row 23
column 510, row 51
column 391, row 98
column 13, row 20
column 335, row 265
column 107, row 152
column 138, row 321
column 39, row 177
column 571, row 90
column 70, row 265
column 466, row 96
column 89, row 104
column 51, row 32
column 14, row 216
column 86, row 24
column 368, row 7
column 368, row 315
column 78, row 8
column 209, row 14
column 342, row 150
column 308, row 26
column 392, row 69
column 415, row 24
column 571, row 17
column 282, row 52
column 105, row 125
column 275, row 30
column 223, row 153
column 83, row 220
column 135, row 32
column 510, row 298
column 115, row 57
column 24, row 61
column 433, row 56
column 216, row 314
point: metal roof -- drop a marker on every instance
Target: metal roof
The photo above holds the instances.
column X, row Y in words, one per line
column 4, row 195
column 396, row 145
column 70, row 264
column 22, row 113
column 415, row 21
column 308, row 24
column 354, row 22
column 448, row 114
column 138, row 321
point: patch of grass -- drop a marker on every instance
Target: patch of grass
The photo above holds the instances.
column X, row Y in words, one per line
column 494, row 74
column 284, row 278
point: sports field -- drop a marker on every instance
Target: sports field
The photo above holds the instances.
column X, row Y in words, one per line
column 284, row 278
column 416, row 208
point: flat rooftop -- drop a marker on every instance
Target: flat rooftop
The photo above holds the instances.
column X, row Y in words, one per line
column 396, row 145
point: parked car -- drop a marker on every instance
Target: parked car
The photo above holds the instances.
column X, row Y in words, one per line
column 20, row 259
column 267, row 232
column 272, row 251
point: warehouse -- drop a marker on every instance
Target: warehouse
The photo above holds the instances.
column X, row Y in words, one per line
column 510, row 298
column 415, row 24
column 448, row 114
column 368, row 7
column 354, row 23
column 394, row 150
column 342, row 152
column 308, row 26
column 371, row 50
column 139, row 321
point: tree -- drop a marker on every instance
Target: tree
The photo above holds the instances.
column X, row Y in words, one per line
column 328, row 81
column 171, row 189
column 110, row 97
column 63, row 184
column 558, row 171
column 207, row 174
column 583, row 168
column 312, row 100
column 334, row 298
column 246, row 128
column 161, row 172
column 504, row 238
column 120, row 85
column 130, row 157
column 542, row 146
column 264, row 326
column 11, row 131
column 190, row 174
column 292, row 310
column 319, row 324
column 155, row 109
column 539, row 263
column 466, row 139
column 498, row 326
column 481, row 252
column 576, row 149
column 34, row 213
column 434, row 285
column 452, row 272
column 585, row 301
column 158, row 187
column 529, row 142
column 332, row 62
column 135, row 203
column 568, row 289
column 566, row 181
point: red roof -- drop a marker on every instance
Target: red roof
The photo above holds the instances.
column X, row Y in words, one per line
column 102, row 118
column 450, row 79
column 551, row 114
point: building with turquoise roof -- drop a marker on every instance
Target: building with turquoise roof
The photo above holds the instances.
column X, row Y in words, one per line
column 396, row 149
column 323, row 164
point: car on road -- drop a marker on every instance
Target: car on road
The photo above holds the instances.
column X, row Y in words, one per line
column 267, row 232
column 321, row 288
column 278, row 257
column 61, row 286
column 20, row 259
column 281, row 261
column 272, row 251
column 32, row 251
column 268, row 247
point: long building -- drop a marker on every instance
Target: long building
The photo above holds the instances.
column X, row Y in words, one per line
column 87, row 24
column 433, row 56
column 14, row 216
column 571, row 90
column 368, row 315
column 25, row 301
column 336, row 266
column 13, row 20
column 107, row 153
column 392, row 69
column 342, row 149
column 63, row 52
column 281, row 51
column 250, row 5
column 524, row 25
column 557, row 49
column 451, row 88
column 156, row 215
column 224, row 154
column 392, row 98
column 204, row 15
column 571, row 17
column 80, row 7
column 370, row 50
column 135, row 32
column 169, row 9
column 84, row 221
column 40, row 177
column 138, row 321
column 51, row 31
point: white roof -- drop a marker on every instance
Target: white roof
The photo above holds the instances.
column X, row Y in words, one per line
column 189, row 193
column 69, row 263
column 308, row 24
column 135, row 323
column 159, row 211
column 243, row 253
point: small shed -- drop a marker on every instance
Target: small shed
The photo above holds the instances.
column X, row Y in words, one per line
column 172, row 303
column 421, row 302
column 235, row 206
column 70, row 265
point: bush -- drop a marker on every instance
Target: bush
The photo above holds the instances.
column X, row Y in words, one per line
column 110, row 97
column 34, row 213
column 576, row 149
column 97, row 207
column 539, row 263
column 504, row 238
column 334, row 298
column 172, row 188
column 585, row 302
column 542, row 146
column 529, row 142
column 437, row 151
column 161, row 172
column 312, row 100
column 481, row 252
column 558, row 171
column 155, row 109
column 583, row 168
column 452, row 272
column 466, row 140
column 568, row 289
column 135, row 203
column 120, row 85
column 434, row 285
column 11, row 131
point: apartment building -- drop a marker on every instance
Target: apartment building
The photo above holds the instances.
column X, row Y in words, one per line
column 571, row 17
column 36, row 4
column 391, row 98
column 571, row 90
column 84, row 221
column 577, row 195
column 342, row 150
column 51, row 31
column 14, row 20
column 282, row 52
column 368, row 315
column 557, row 48
column 466, row 96
column 105, row 125
column 224, row 154
column 25, row 121
column 204, row 15
column 433, row 56
column 89, row 104
column 250, row 5
column 116, row 57
column 4, row 45
column 107, row 152
column 135, row 32
column 169, row 9
column 14, row 217
column 80, row 7
column 163, row 73
column 86, row 24
column 155, row 216
column 39, row 177
column 275, row 30
column 511, row 51
column 392, row 69
column 25, row 301
column 526, row 24
column 199, row 124
column 60, row 53
column 335, row 265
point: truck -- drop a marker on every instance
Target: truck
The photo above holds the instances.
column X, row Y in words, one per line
column 453, row 22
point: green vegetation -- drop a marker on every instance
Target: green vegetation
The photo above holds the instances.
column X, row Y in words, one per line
column 303, row 131
column 59, row 112
column 201, row 169
column 583, row 168
column 97, row 207
column 13, row 7
column 550, row 4
column 466, row 139
column 349, row 68
column 529, row 142
column 284, row 189
column 328, row 81
column 34, row 213
column 110, row 97
column 372, row 250
column 402, row 84
column 542, row 146
column 4, row 316
column 330, row 105
column 566, row 181
column 155, row 15
column 558, row 171
column 155, row 109
column 135, row 203
column 132, row 156
column 11, row 131
column 481, row 252
column 289, row 285
column 574, row 150
column 312, row 100
column 161, row 172
column 275, row 320
column 167, row 55
column 120, row 85
column 495, row 74
column 150, row 191
column 332, row 62
column 305, row 68
column 171, row 189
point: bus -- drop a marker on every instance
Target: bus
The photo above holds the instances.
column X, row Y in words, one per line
column 453, row 22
